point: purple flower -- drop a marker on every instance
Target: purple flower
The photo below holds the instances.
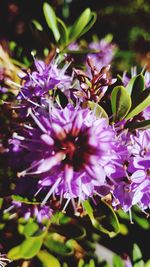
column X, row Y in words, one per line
column 44, row 78
column 69, row 151
column 133, row 173
column 40, row 213
column 105, row 53
column 73, row 47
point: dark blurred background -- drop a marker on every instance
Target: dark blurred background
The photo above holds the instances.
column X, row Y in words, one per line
column 126, row 20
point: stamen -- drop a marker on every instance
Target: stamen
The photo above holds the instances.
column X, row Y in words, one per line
column 66, row 204
column 38, row 191
column 29, row 100
column 51, row 191
column 9, row 209
column 130, row 215
column 25, row 172
column 37, row 121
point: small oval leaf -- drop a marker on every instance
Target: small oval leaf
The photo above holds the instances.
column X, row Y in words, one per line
column 98, row 110
column 120, row 102
column 48, row 259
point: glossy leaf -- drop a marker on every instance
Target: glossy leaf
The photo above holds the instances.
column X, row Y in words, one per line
column 48, row 259
column 37, row 25
column 80, row 24
column 98, row 110
column 81, row 263
column 71, row 230
column 91, row 22
column 117, row 261
column 142, row 222
column 26, row 250
column 136, row 85
column 137, row 125
column 56, row 243
column 106, row 221
column 14, row 253
column 30, row 228
column 147, row 264
column 137, row 257
column 1, row 202
column 63, row 31
column 120, row 102
column 31, row 246
column 51, row 20
column 140, row 107
column 92, row 263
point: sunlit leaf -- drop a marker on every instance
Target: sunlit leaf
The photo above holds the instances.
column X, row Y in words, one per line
column 120, row 102
column 91, row 22
column 37, row 25
column 141, row 106
column 137, row 257
column 135, row 86
column 71, row 230
column 56, row 243
column 98, row 110
column 48, row 259
column 117, row 261
column 106, row 221
column 27, row 249
column 51, row 20
column 80, row 24
column 30, row 228
column 145, row 124
column 63, row 31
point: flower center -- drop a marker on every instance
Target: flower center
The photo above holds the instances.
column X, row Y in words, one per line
column 77, row 150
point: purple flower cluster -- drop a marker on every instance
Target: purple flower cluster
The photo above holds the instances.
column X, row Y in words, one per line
column 105, row 53
column 72, row 152
column 44, row 78
column 69, row 149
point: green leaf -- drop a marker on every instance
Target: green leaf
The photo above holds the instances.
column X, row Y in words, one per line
column 120, row 102
column 137, row 257
column 141, row 106
column 147, row 264
column 123, row 229
column 71, row 230
column 63, row 32
column 48, row 259
column 26, row 250
column 55, row 243
column 81, row 263
column 37, row 25
column 60, row 218
column 14, row 253
column 79, row 25
column 117, row 261
column 105, row 220
column 91, row 22
column 91, row 263
column 51, row 20
column 135, row 86
column 24, row 200
column 142, row 222
column 98, row 110
column 138, row 125
column 31, row 246
column 1, row 202
column 30, row 228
